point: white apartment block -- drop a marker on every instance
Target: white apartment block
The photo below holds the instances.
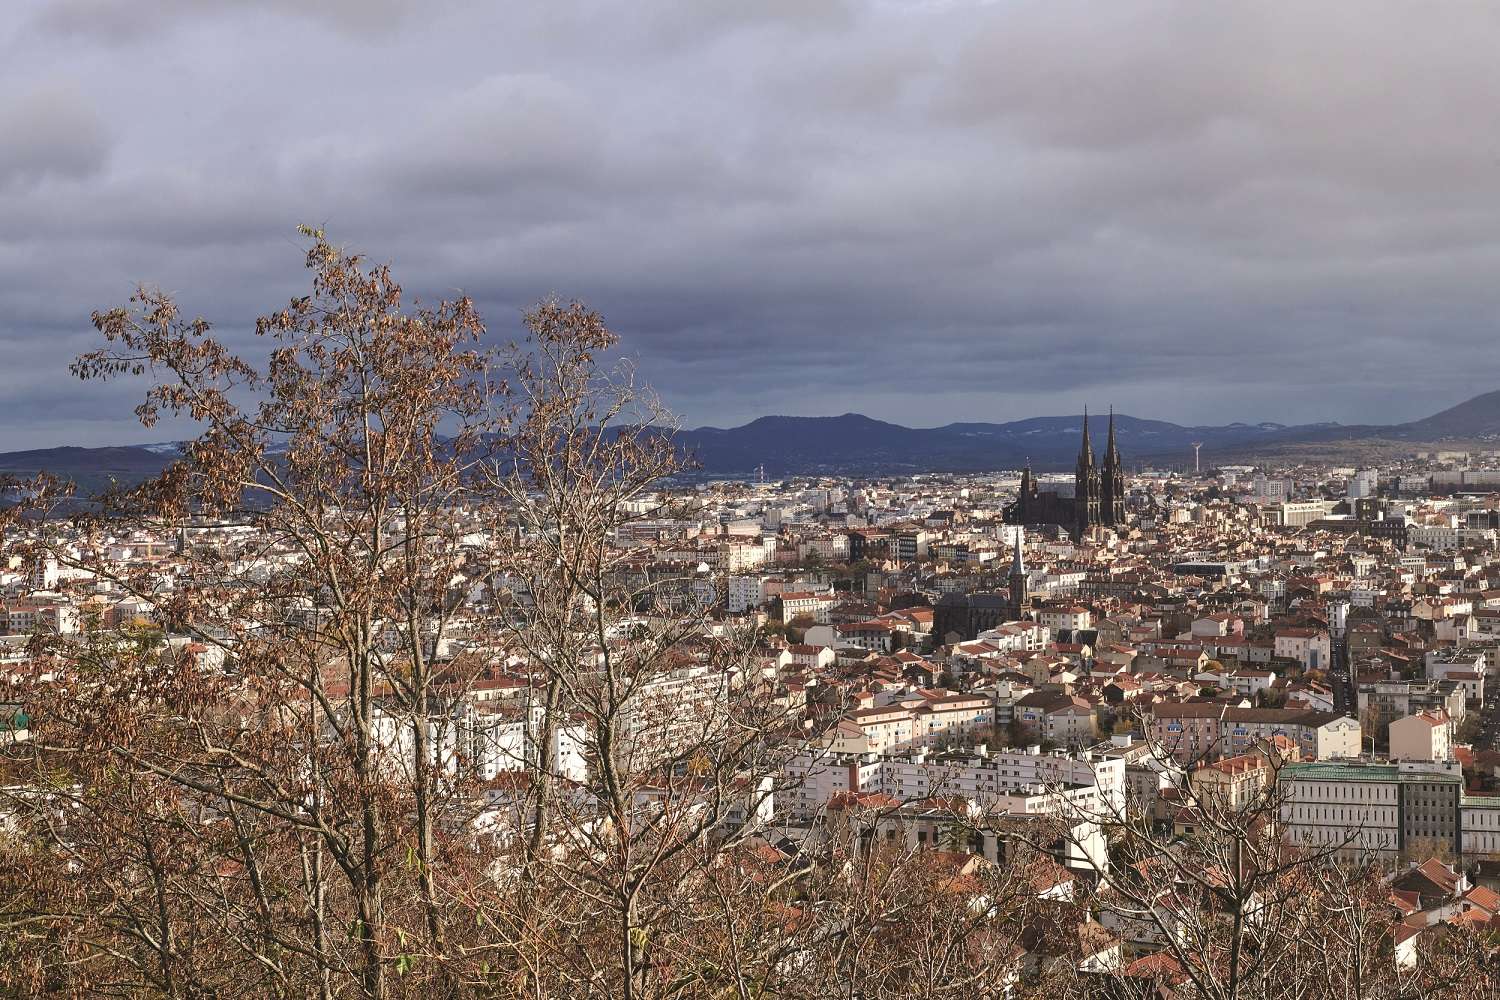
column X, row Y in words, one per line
column 1071, row 618
column 1479, row 825
column 1371, row 811
column 745, row 592
column 1020, row 637
column 797, row 604
column 978, row 775
column 739, row 556
column 1364, row 483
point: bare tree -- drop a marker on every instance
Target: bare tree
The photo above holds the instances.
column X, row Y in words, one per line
column 297, row 711
column 304, row 742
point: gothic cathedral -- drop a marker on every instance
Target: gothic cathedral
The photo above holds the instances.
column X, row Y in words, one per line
column 1098, row 491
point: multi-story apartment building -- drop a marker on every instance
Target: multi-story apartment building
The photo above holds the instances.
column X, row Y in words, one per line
column 52, row 617
column 1233, row 782
column 1271, row 490
column 1308, row 646
column 1479, row 826
column 873, row 635
column 1438, row 537
column 831, row 548
column 1382, row 702
column 1062, row 719
column 1067, row 618
column 1205, row 731
column 1372, row 811
column 743, row 592
column 875, row 730
column 1425, row 736
column 909, row 546
column 979, row 775
column 967, row 717
column 1297, row 513
column 1318, row 735
column 798, row 604
column 738, row 556
column 1187, row 731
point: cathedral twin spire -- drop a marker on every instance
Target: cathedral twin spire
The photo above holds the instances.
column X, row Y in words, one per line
column 1098, row 494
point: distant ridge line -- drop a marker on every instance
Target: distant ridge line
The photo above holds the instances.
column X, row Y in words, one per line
column 852, row 443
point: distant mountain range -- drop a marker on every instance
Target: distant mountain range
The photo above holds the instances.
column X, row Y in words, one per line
column 91, row 468
column 857, row 444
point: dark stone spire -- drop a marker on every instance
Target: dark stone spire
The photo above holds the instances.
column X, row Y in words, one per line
column 1112, row 481
column 1028, row 505
column 1085, row 485
column 1086, row 452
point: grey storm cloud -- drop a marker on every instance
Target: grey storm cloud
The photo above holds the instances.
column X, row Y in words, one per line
column 132, row 20
column 49, row 129
column 925, row 210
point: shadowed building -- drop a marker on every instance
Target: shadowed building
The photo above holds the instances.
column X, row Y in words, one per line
column 1098, row 492
column 960, row 617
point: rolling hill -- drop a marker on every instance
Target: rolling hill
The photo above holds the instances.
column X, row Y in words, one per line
column 1477, row 417
column 92, row 469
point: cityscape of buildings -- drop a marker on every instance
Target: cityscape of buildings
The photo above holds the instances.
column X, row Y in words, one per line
column 690, row 500
column 1008, row 648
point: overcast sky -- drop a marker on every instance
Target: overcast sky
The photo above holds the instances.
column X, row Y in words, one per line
column 923, row 210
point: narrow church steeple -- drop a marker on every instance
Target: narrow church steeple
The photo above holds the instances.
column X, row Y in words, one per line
column 1020, row 583
column 1085, row 485
column 1112, row 481
column 1086, row 452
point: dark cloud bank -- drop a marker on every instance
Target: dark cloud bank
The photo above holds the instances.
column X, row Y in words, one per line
column 924, row 211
